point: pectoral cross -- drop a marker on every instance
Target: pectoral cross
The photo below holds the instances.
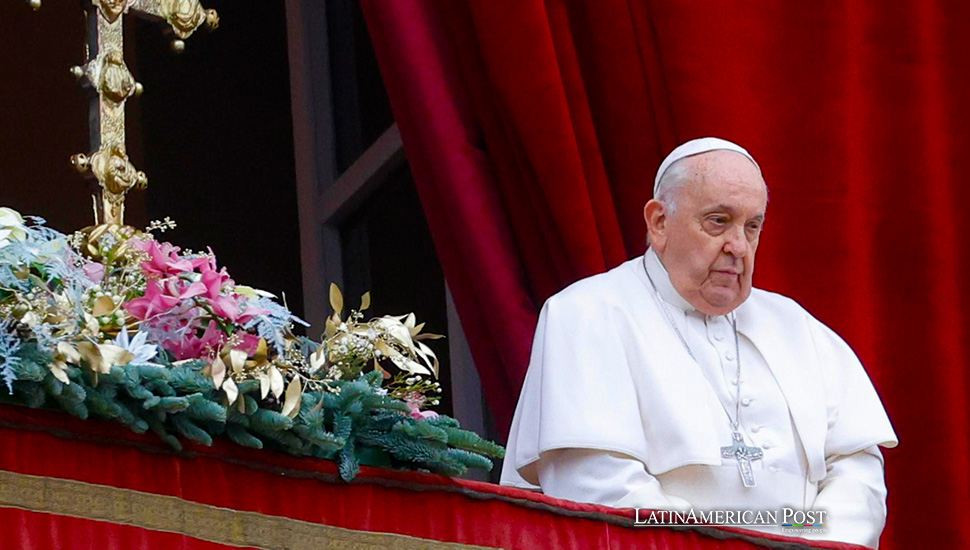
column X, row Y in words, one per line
column 744, row 455
column 105, row 73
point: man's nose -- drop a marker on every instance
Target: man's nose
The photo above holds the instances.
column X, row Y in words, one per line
column 736, row 244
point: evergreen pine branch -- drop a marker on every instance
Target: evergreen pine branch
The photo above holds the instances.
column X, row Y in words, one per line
column 423, row 430
column 190, row 430
column 347, row 463
column 471, row 441
column 156, row 422
column 356, row 424
column 469, row 459
column 30, row 393
column 240, row 436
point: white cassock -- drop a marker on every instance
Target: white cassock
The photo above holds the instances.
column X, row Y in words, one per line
column 615, row 411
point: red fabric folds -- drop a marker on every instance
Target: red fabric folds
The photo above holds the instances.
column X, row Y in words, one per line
column 25, row 530
column 534, row 129
column 426, row 506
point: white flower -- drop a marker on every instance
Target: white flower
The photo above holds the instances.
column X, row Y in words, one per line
column 12, row 226
column 30, row 319
column 144, row 353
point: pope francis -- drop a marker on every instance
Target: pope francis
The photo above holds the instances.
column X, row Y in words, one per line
column 669, row 383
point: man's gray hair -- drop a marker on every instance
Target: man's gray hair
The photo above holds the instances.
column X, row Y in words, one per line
column 673, row 179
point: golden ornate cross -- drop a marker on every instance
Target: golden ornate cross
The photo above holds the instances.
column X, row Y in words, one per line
column 106, row 74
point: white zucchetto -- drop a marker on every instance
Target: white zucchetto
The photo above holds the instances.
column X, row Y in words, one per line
column 696, row 147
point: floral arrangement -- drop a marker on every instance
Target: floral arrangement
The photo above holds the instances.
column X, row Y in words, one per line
column 118, row 325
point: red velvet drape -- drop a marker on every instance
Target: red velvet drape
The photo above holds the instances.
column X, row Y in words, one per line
column 67, row 484
column 534, row 129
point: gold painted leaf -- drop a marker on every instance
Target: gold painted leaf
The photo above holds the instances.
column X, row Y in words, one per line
column 114, row 356
column 385, row 349
column 92, row 355
column 416, row 330
column 69, row 353
column 232, row 392
column 424, row 350
column 414, row 367
column 336, row 298
column 384, row 374
column 365, row 301
column 59, row 370
column 253, row 293
column 428, row 336
column 331, row 328
column 55, row 319
column 275, row 381
column 91, row 326
column 318, row 358
column 237, row 359
column 247, row 291
column 261, row 352
column 318, row 406
column 218, row 372
column 429, row 357
column 103, row 306
column 400, row 333
column 263, row 385
column 294, row 392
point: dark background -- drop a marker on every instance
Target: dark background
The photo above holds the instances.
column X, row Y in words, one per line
column 213, row 132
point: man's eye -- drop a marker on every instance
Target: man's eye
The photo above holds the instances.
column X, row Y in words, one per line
column 719, row 220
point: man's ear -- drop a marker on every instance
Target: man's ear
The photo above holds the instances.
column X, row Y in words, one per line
column 655, row 215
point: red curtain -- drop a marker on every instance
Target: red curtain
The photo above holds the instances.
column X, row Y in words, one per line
column 534, row 129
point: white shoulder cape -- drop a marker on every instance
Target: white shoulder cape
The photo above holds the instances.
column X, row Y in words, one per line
column 608, row 373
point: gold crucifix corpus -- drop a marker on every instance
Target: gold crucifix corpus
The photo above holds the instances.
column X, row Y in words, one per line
column 106, row 74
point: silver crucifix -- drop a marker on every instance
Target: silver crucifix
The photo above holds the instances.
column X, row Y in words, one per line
column 744, row 455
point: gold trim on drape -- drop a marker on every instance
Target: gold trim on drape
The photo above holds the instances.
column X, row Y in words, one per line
column 202, row 521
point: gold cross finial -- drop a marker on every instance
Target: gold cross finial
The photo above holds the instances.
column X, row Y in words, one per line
column 106, row 74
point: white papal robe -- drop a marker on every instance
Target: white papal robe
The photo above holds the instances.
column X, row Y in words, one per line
column 614, row 410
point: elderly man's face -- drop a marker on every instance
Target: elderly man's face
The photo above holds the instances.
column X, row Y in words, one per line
column 708, row 243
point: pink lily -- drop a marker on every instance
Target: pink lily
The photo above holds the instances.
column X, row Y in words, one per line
column 152, row 303
column 226, row 307
column 222, row 305
column 163, row 258
column 250, row 342
column 193, row 347
column 421, row 415
column 177, row 288
column 414, row 405
column 215, row 281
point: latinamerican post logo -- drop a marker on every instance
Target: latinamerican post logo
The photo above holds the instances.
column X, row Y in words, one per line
column 788, row 519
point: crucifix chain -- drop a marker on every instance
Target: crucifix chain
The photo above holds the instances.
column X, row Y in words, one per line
column 737, row 450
